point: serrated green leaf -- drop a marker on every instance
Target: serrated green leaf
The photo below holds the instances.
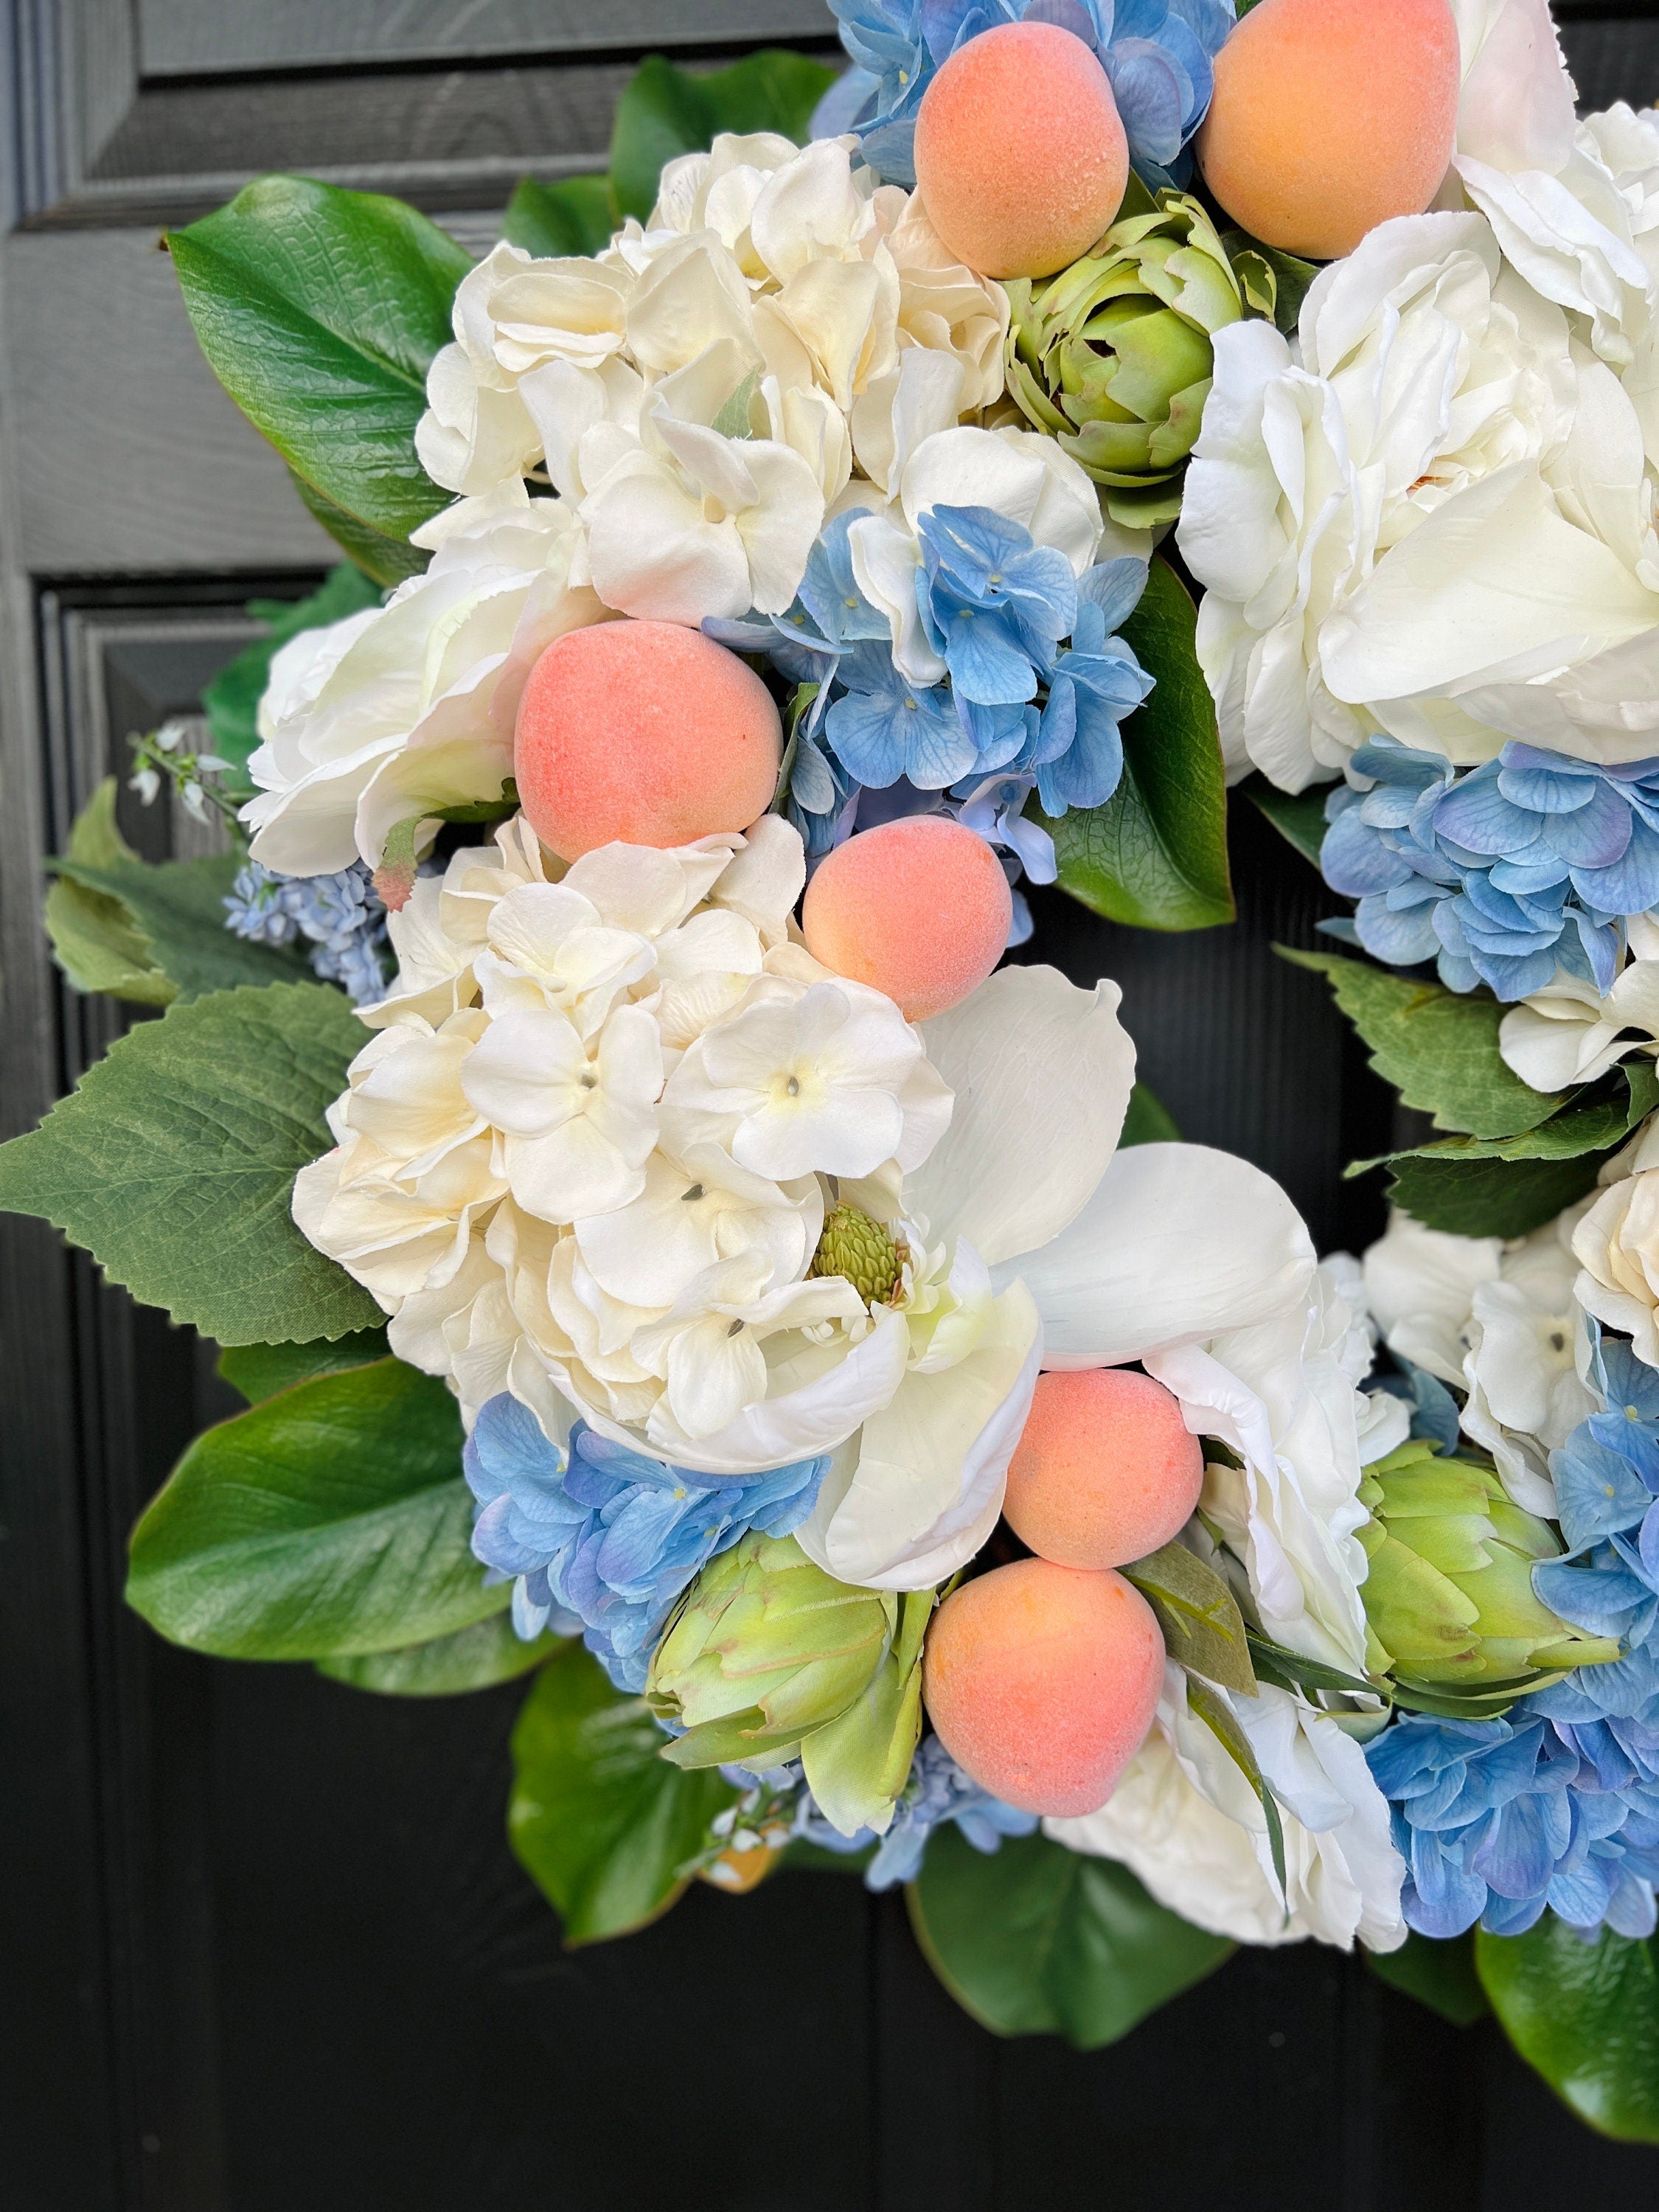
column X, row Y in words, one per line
column 1490, row 1198
column 260, row 1371
column 575, row 216
column 387, row 560
column 1437, row 1047
column 600, row 1821
column 1586, row 2015
column 1148, row 1121
column 474, row 1658
column 1298, row 816
column 664, row 112
column 231, row 700
column 320, row 310
column 330, row 1520
column 1035, row 1940
column 1202, row 1626
column 178, row 907
column 173, row 1163
column 1440, row 1975
column 1156, row 854
column 1599, row 1126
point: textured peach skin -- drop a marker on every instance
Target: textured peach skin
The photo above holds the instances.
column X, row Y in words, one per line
column 919, row 907
column 1105, row 1470
column 644, row 733
column 1021, row 159
column 1042, row 1681
column 1330, row 116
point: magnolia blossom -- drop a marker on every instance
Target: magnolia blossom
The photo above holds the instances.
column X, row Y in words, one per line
column 1617, row 1245
column 1499, row 1321
column 1425, row 376
column 1568, row 1034
column 404, row 709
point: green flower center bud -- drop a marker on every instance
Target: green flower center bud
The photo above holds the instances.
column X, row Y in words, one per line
column 858, row 1248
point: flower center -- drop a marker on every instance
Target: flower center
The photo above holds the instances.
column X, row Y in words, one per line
column 695, row 1191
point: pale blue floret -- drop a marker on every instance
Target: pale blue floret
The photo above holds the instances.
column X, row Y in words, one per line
column 1158, row 55
column 1528, row 863
column 604, row 1538
column 936, row 1791
column 340, row 915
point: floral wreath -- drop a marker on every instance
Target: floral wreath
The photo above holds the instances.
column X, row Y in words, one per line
column 664, row 1252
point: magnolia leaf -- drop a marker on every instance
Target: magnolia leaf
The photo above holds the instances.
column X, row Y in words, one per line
column 1148, row 1121
column 260, row 1371
column 1203, row 1627
column 173, row 1163
column 1586, row 2014
column 94, row 938
column 1035, row 1940
column 1437, row 1047
column 330, row 1520
column 1222, row 1722
column 1298, row 816
column 1156, row 853
column 664, row 112
column 320, row 310
column 1490, row 1198
column 231, row 700
column 473, row 1658
column 1440, row 1975
column 388, row 559
column 604, row 1826
column 577, row 216
column 178, row 909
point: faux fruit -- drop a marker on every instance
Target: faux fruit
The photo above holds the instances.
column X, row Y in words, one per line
column 918, row 908
column 1105, row 1471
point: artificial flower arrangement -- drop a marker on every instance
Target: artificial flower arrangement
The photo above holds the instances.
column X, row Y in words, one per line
column 660, row 1246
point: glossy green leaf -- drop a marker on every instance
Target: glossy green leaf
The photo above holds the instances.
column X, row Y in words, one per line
column 1156, row 854
column 474, row 1658
column 1490, row 1198
column 389, row 559
column 231, row 700
column 94, row 939
column 1437, row 1047
column 576, row 215
column 319, row 311
column 601, row 1822
column 260, row 1371
column 178, row 909
column 1441, row 1976
column 1598, row 1125
column 1289, row 1670
column 331, row 1519
column 1586, row 2015
column 173, row 1163
column 1298, row 816
column 664, row 112
column 1202, row 1626
column 1035, row 1940
column 1149, row 1121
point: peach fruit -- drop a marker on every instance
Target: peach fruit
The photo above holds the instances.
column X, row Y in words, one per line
column 918, row 908
column 643, row 734
column 1042, row 1680
column 1330, row 116
column 1105, row 1470
column 1021, row 159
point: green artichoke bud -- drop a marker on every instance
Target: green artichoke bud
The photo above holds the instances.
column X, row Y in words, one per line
column 1114, row 355
column 1450, row 1604
column 854, row 1245
column 770, row 1659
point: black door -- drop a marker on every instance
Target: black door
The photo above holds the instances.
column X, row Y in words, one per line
column 265, row 1948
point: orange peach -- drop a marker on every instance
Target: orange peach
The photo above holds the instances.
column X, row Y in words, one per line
column 1330, row 116
column 1105, row 1471
column 1042, row 1680
column 644, row 734
column 1021, row 159
column 919, row 907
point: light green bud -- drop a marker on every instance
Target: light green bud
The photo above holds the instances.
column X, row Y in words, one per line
column 854, row 1245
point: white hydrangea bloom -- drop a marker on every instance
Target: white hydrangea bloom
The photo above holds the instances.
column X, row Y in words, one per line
column 1567, row 1033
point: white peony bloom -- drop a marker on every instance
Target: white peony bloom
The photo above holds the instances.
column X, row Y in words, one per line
column 404, row 709
column 1499, row 1322
column 1424, row 376
column 1516, row 108
column 1617, row 1245
column 1185, row 1818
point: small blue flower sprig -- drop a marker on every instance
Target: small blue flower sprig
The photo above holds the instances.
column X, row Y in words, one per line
column 1158, row 55
column 604, row 1539
column 1557, row 1804
column 1037, row 689
column 1528, row 863
column 342, row 917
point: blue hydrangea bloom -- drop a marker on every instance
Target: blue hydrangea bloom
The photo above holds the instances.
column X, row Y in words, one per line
column 603, row 1537
column 1526, row 864
column 341, row 916
column 993, row 603
column 937, row 1790
column 1158, row 55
